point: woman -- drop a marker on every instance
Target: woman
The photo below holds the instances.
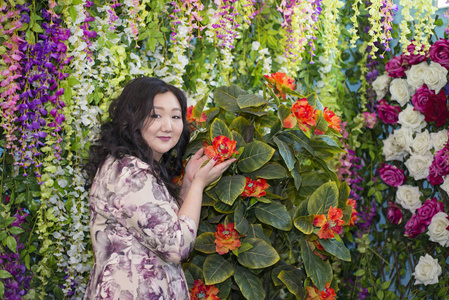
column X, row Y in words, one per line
column 141, row 230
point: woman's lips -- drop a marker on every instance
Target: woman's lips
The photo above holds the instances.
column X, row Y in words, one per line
column 164, row 138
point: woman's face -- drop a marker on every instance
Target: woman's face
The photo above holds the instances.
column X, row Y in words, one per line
column 164, row 126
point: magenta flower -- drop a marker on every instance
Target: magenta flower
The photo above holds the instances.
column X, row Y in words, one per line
column 394, row 213
column 414, row 227
column 429, row 208
column 396, row 67
column 392, row 175
column 439, row 52
column 388, row 114
column 370, row 119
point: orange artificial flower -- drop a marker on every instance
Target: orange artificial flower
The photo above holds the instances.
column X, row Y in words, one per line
column 255, row 188
column 222, row 148
column 281, row 81
column 332, row 119
column 316, row 245
column 305, row 114
column 315, row 294
column 352, row 202
column 226, row 238
column 194, row 121
column 200, row 291
column 330, row 225
column 290, row 121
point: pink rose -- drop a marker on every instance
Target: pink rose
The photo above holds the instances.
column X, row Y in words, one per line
column 394, row 213
column 413, row 59
column 396, row 67
column 389, row 114
column 370, row 119
column 434, row 175
column 414, row 227
column 421, row 97
column 429, row 208
column 436, row 109
column 391, row 175
column 439, row 52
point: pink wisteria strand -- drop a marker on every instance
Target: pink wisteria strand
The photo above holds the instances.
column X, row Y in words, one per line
column 387, row 13
column 193, row 9
column 40, row 106
column 88, row 35
column 225, row 26
column 11, row 70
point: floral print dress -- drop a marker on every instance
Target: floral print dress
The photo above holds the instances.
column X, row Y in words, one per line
column 137, row 236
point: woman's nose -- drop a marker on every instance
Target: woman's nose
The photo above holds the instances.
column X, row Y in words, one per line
column 166, row 124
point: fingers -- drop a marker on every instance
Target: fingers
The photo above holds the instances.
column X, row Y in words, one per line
column 198, row 153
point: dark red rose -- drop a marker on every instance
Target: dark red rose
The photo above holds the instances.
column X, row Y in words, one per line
column 421, row 97
column 414, row 59
column 439, row 52
column 429, row 208
column 414, row 227
column 391, row 175
column 394, row 213
column 388, row 114
column 436, row 109
column 396, row 67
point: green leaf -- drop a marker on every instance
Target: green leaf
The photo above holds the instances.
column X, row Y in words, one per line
column 347, row 213
column 325, row 167
column 5, row 274
column 218, row 127
column 261, row 255
column 230, row 187
column 224, row 208
column 224, row 288
column 321, row 123
column 205, row 243
column 311, row 181
column 256, row 231
column 273, row 214
column 297, row 178
column 244, row 247
column 72, row 12
column 301, row 139
column 2, row 290
column 239, row 124
column 199, row 106
column 294, row 281
column 241, row 224
column 11, row 243
column 270, row 171
column 195, row 271
column 323, row 198
column 343, row 194
column 305, row 224
column 250, row 285
column 16, row 230
column 254, row 156
column 286, row 153
column 360, row 272
column 336, row 248
column 276, row 271
column 249, row 100
column 216, row 269
column 226, row 97
column 319, row 271
column 439, row 22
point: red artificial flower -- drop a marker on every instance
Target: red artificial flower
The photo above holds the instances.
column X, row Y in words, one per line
column 316, row 245
column 305, row 114
column 315, row 294
column 226, row 238
column 222, row 148
column 200, row 291
column 194, row 121
column 331, row 224
column 281, row 81
column 332, row 119
column 352, row 202
column 178, row 179
column 255, row 188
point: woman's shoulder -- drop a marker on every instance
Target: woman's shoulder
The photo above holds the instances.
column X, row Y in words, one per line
column 126, row 165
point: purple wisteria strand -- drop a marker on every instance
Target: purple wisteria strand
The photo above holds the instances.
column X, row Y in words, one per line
column 41, row 104
column 10, row 23
column 112, row 14
column 225, row 24
column 18, row 285
column 88, row 35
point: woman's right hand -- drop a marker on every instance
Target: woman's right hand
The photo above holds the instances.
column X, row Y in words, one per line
column 211, row 171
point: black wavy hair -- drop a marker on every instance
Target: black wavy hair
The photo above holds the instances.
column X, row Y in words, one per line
column 121, row 134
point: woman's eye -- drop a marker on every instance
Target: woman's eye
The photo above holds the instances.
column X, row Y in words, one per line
column 155, row 116
column 177, row 117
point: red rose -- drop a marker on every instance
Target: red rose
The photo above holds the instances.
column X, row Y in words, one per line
column 439, row 52
column 436, row 109
column 421, row 97
column 388, row 114
column 396, row 67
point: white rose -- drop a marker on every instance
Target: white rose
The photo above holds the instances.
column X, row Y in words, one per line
column 380, row 85
column 438, row 229
column 427, row 270
column 391, row 151
column 400, row 91
column 439, row 139
column 403, row 138
column 445, row 185
column 435, row 77
column 418, row 165
column 412, row 119
column 408, row 197
column 416, row 74
column 422, row 143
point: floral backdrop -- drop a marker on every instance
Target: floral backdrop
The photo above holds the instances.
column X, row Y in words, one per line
column 379, row 66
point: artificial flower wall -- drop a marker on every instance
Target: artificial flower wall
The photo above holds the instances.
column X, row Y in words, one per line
column 63, row 61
